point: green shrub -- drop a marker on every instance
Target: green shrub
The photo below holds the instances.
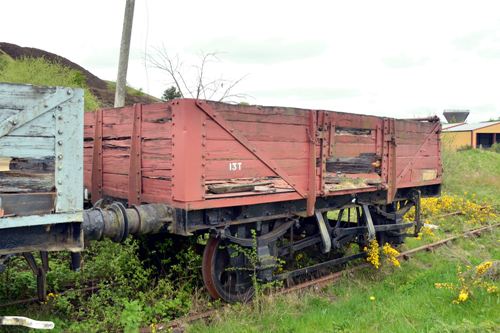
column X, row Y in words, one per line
column 38, row 71
column 495, row 148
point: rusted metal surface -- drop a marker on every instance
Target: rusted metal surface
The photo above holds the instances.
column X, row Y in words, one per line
column 117, row 222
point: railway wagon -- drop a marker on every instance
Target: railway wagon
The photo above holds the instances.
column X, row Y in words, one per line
column 41, row 173
column 262, row 177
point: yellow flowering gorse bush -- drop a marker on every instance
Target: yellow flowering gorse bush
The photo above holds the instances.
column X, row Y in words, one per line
column 391, row 254
column 467, row 281
column 474, row 212
column 372, row 253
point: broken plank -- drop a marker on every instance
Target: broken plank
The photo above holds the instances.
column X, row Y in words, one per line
column 232, row 188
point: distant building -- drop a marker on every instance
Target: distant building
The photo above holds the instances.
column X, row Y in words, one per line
column 455, row 116
column 481, row 135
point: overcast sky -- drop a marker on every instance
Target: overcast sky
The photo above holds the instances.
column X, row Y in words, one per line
column 390, row 58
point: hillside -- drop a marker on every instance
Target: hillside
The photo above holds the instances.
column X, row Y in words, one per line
column 101, row 89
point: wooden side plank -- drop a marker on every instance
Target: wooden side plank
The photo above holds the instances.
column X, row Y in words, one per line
column 22, row 147
column 23, row 204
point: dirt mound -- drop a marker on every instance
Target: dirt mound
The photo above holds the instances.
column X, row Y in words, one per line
column 97, row 86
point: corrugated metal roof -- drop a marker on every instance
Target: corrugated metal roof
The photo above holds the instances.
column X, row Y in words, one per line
column 470, row 127
column 446, row 126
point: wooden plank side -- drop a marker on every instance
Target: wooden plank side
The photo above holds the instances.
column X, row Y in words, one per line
column 258, row 131
column 23, row 204
column 409, row 150
column 41, row 126
column 350, row 120
column 263, row 114
column 160, row 147
column 352, row 149
column 118, row 116
column 411, row 137
column 156, row 190
column 273, row 116
column 407, row 126
column 26, row 181
column 26, row 147
column 157, row 113
column 115, row 163
column 230, row 150
column 217, row 169
column 115, row 185
column 348, row 139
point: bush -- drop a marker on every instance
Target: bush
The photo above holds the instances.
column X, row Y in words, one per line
column 495, row 148
column 38, row 71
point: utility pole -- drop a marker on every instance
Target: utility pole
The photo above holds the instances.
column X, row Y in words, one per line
column 121, row 80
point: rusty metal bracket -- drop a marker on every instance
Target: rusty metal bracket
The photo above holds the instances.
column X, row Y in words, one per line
column 135, row 169
column 97, row 158
column 260, row 155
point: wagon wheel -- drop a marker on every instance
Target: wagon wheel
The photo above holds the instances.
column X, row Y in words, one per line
column 225, row 276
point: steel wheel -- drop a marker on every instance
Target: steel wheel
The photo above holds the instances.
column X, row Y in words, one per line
column 225, row 277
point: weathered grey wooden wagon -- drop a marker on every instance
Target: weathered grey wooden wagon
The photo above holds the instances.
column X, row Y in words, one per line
column 41, row 175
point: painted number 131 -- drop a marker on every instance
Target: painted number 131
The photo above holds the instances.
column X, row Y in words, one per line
column 234, row 166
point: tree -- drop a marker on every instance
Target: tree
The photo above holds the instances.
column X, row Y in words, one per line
column 198, row 85
column 171, row 93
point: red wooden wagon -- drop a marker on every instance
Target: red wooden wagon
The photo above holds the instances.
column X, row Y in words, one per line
column 229, row 169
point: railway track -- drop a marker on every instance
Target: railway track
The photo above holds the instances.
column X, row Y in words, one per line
column 318, row 282
column 327, row 279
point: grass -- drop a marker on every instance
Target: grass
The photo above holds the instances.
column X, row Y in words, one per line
column 473, row 171
column 130, row 91
column 405, row 300
column 38, row 71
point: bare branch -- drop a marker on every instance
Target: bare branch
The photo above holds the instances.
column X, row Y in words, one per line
column 227, row 92
column 164, row 62
column 219, row 89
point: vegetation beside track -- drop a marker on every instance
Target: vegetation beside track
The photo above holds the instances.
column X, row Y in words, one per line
column 38, row 71
column 389, row 300
column 138, row 290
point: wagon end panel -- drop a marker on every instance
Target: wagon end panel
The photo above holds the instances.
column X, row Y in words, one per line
column 417, row 153
column 41, row 177
column 128, row 153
